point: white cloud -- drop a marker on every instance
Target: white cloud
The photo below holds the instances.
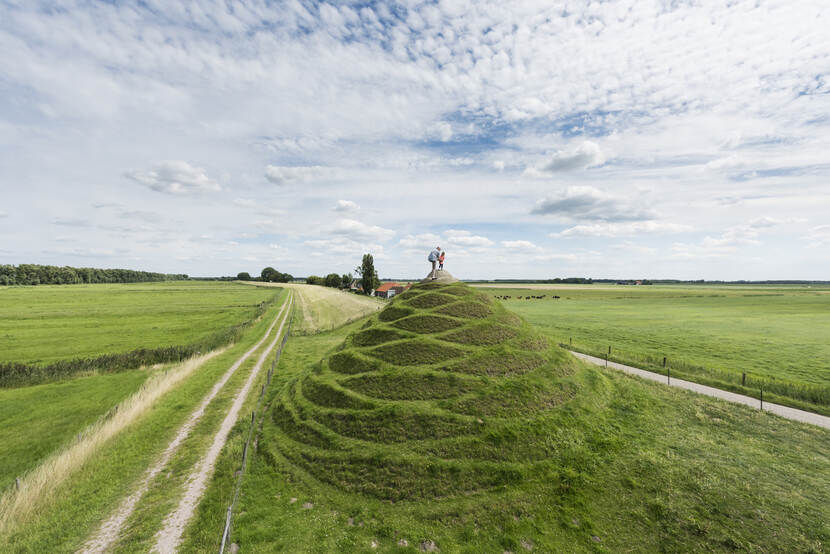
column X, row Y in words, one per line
column 70, row 222
column 728, row 162
column 4, row 214
column 523, row 246
column 423, row 242
column 283, row 175
column 358, row 230
column 590, row 203
column 623, row 229
column 441, row 131
column 175, row 177
column 587, row 154
column 466, row 239
column 346, row 206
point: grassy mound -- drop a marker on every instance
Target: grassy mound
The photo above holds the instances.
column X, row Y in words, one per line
column 444, row 392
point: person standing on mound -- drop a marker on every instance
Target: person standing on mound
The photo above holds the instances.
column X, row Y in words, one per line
column 433, row 258
column 441, row 260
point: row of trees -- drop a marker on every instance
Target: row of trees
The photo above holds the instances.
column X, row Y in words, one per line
column 368, row 277
column 268, row 275
column 35, row 274
column 331, row 280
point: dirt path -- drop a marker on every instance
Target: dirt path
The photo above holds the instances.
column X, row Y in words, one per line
column 783, row 411
column 110, row 529
column 167, row 540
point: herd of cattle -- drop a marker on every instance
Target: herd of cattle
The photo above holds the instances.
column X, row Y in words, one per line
column 507, row 297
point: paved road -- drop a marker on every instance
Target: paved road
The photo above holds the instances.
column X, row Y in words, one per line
column 783, row 411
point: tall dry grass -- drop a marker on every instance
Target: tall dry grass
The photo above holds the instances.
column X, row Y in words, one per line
column 36, row 486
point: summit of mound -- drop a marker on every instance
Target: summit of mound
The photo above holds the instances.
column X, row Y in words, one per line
column 443, row 392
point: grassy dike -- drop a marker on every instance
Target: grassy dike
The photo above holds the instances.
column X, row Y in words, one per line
column 618, row 465
column 76, row 508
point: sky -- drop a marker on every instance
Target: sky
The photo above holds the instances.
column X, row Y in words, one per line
column 617, row 139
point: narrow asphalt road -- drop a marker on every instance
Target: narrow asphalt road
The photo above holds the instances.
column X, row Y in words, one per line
column 783, row 411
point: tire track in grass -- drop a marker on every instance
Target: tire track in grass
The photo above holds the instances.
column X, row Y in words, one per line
column 109, row 531
column 169, row 537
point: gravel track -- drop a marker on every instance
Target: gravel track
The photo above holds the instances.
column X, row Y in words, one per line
column 169, row 537
column 109, row 531
column 777, row 409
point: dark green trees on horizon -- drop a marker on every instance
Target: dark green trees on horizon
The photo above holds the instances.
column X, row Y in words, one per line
column 36, row 274
column 271, row 275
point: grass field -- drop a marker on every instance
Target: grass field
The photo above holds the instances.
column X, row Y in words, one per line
column 323, row 308
column 44, row 324
column 564, row 457
column 768, row 332
column 67, row 516
column 35, row 421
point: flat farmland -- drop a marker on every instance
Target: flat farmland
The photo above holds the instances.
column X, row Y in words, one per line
column 776, row 332
column 44, row 324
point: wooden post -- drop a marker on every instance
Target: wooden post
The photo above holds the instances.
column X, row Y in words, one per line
column 762, row 399
column 572, row 341
column 17, row 483
column 253, row 415
column 664, row 361
column 743, row 379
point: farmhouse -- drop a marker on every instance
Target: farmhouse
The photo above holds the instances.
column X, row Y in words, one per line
column 388, row 290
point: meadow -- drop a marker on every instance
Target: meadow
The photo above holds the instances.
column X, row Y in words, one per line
column 776, row 335
column 85, row 321
column 114, row 452
column 54, row 332
column 454, row 452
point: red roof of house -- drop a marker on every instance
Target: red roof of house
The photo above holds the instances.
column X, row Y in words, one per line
column 385, row 287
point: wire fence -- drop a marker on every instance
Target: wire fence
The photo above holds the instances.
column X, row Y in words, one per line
column 226, row 532
column 805, row 396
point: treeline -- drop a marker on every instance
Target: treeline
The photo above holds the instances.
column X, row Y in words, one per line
column 331, row 280
column 35, row 274
column 13, row 374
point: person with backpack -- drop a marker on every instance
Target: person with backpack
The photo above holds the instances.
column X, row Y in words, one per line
column 433, row 258
column 441, row 260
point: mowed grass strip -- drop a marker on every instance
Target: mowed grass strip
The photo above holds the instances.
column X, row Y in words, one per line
column 76, row 508
column 321, row 308
column 44, row 324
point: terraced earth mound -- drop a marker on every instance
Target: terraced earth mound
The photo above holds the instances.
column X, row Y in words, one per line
column 442, row 393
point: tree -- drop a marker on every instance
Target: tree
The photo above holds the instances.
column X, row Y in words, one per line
column 268, row 274
column 244, row 276
column 333, row 280
column 346, row 280
column 315, row 280
column 368, row 276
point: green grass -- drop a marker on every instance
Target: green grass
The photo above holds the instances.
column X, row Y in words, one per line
column 777, row 335
column 78, row 506
column 35, row 421
column 558, row 457
column 44, row 324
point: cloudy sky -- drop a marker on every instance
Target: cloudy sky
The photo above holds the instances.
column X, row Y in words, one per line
column 686, row 139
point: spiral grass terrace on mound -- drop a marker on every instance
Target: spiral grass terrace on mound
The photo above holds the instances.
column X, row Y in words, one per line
column 441, row 393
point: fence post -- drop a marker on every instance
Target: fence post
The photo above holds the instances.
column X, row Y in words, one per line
column 743, row 379
column 668, row 375
column 762, row 399
column 572, row 341
column 17, row 483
